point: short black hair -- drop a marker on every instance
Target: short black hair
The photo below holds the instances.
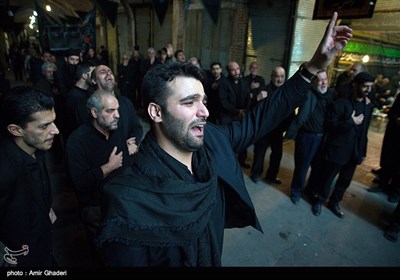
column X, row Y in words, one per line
column 178, row 52
column 82, row 69
column 20, row 103
column 155, row 87
column 215, row 63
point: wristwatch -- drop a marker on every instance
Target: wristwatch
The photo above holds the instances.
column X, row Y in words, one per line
column 303, row 71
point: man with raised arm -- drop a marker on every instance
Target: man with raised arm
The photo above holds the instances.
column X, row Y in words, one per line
column 185, row 185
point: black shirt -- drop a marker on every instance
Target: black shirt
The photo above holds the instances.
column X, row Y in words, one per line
column 316, row 122
column 25, row 201
column 87, row 150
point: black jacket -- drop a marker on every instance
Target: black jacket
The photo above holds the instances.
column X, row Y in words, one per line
column 233, row 206
column 390, row 146
column 343, row 140
column 25, row 204
column 305, row 112
column 87, row 149
column 233, row 98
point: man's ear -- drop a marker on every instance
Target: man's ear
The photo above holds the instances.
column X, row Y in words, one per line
column 15, row 130
column 93, row 112
column 154, row 111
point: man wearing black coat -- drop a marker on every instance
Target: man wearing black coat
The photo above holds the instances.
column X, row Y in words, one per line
column 307, row 129
column 26, row 216
column 389, row 161
column 234, row 98
column 273, row 139
column 185, row 185
column 346, row 144
column 96, row 148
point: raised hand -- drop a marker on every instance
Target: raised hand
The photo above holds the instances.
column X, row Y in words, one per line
column 334, row 40
column 170, row 50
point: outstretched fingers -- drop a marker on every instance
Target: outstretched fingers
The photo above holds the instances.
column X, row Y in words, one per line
column 340, row 35
column 343, row 35
column 335, row 39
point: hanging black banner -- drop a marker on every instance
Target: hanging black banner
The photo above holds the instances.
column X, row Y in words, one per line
column 323, row 9
column 161, row 7
column 59, row 37
column 213, row 7
column 109, row 9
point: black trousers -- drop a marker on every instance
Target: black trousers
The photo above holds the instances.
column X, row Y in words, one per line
column 326, row 175
column 273, row 140
column 91, row 218
column 395, row 220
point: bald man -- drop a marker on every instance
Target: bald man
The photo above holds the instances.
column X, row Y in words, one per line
column 234, row 97
column 274, row 139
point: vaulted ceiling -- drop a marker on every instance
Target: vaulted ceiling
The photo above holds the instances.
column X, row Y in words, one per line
column 385, row 20
column 14, row 14
column 69, row 8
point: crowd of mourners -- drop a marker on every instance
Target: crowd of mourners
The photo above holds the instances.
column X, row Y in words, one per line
column 133, row 188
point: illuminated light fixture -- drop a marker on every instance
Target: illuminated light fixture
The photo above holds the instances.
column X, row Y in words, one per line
column 365, row 58
column 48, row 8
column 35, row 13
column 33, row 20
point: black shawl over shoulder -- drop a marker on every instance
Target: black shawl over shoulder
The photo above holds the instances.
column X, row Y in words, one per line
column 158, row 203
column 161, row 204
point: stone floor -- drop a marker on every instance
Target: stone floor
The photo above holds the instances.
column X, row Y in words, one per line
column 294, row 237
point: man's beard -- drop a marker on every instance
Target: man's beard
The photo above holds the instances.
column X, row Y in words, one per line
column 71, row 68
column 176, row 131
